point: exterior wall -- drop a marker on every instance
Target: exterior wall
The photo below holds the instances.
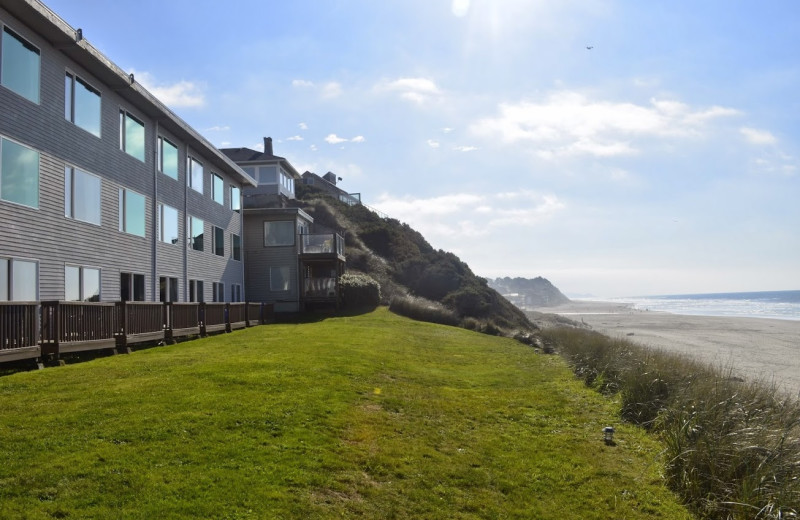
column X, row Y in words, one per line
column 260, row 258
column 44, row 234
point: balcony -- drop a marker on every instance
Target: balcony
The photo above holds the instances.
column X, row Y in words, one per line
column 330, row 244
column 319, row 289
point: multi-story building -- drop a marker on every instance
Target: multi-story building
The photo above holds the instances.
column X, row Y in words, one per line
column 289, row 263
column 105, row 194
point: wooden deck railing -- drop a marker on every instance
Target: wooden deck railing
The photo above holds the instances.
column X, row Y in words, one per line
column 213, row 317
column 48, row 329
column 78, row 326
column 19, row 330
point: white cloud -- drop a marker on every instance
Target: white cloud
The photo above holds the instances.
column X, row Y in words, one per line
column 465, row 148
column 755, row 136
column 313, row 148
column 331, row 90
column 469, row 215
column 301, row 83
column 433, row 144
column 335, row 139
column 302, row 126
column 218, row 129
column 446, row 130
column 416, row 90
column 295, row 138
column 569, row 123
column 183, row 94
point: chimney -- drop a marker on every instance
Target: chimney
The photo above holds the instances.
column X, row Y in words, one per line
column 268, row 146
column 330, row 177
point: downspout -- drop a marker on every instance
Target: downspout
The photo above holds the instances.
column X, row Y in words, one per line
column 154, row 275
column 186, row 224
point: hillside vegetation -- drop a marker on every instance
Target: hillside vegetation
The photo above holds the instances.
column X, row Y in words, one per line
column 372, row 416
column 404, row 263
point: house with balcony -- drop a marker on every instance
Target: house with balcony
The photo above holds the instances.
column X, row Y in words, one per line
column 289, row 262
column 105, row 194
column 327, row 183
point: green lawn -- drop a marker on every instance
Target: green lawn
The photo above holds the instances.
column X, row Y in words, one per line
column 374, row 416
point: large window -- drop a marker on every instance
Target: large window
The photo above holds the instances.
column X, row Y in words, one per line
column 217, row 189
column 268, row 175
column 219, row 291
column 219, row 241
column 279, row 233
column 196, row 231
column 167, row 224
column 236, row 292
column 81, row 284
column 131, row 287
column 236, row 198
column 81, row 195
column 167, row 158
column 279, row 278
column 19, row 174
column 82, row 104
column 19, row 65
column 168, row 289
column 195, row 176
column 236, row 247
column 131, row 212
column 131, row 135
column 19, row 280
column 196, row 291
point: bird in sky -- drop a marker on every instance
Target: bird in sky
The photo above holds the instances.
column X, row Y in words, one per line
column 589, row 47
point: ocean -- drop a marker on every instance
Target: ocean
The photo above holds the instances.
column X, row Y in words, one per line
column 782, row 305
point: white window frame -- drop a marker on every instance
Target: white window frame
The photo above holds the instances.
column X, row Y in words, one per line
column 70, row 173
column 9, row 263
column 38, row 173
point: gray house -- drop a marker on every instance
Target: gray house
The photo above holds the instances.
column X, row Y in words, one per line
column 105, row 194
column 288, row 263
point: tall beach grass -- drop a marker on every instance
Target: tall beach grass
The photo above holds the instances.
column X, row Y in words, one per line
column 732, row 447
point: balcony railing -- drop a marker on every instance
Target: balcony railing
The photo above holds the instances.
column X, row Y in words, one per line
column 48, row 329
column 326, row 243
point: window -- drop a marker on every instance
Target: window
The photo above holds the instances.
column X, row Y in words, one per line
column 217, row 189
column 196, row 291
column 268, row 175
column 131, row 212
column 131, row 135
column 19, row 65
column 168, row 289
column 279, row 278
column 287, row 182
column 167, row 158
column 167, row 224
column 19, row 174
column 236, row 199
column 236, row 292
column 195, row 176
column 81, row 195
column 236, row 247
column 131, row 287
column 219, row 291
column 82, row 104
column 219, row 241
column 279, row 233
column 196, row 230
column 19, row 280
column 81, row 284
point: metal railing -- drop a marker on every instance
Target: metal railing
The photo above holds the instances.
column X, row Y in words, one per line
column 323, row 243
column 319, row 288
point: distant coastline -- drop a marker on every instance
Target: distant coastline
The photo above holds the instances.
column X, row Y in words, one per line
column 781, row 305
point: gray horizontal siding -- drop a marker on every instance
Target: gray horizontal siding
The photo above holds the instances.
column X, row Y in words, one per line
column 46, row 235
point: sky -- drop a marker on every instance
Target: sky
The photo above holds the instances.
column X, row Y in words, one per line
column 615, row 147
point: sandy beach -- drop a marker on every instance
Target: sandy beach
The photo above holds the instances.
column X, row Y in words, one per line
column 755, row 348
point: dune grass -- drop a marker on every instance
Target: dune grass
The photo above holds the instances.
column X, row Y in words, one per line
column 371, row 416
column 732, row 447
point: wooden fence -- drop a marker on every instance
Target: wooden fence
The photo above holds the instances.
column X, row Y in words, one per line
column 50, row 328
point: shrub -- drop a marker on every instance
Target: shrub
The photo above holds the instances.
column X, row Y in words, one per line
column 423, row 310
column 732, row 447
column 359, row 290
